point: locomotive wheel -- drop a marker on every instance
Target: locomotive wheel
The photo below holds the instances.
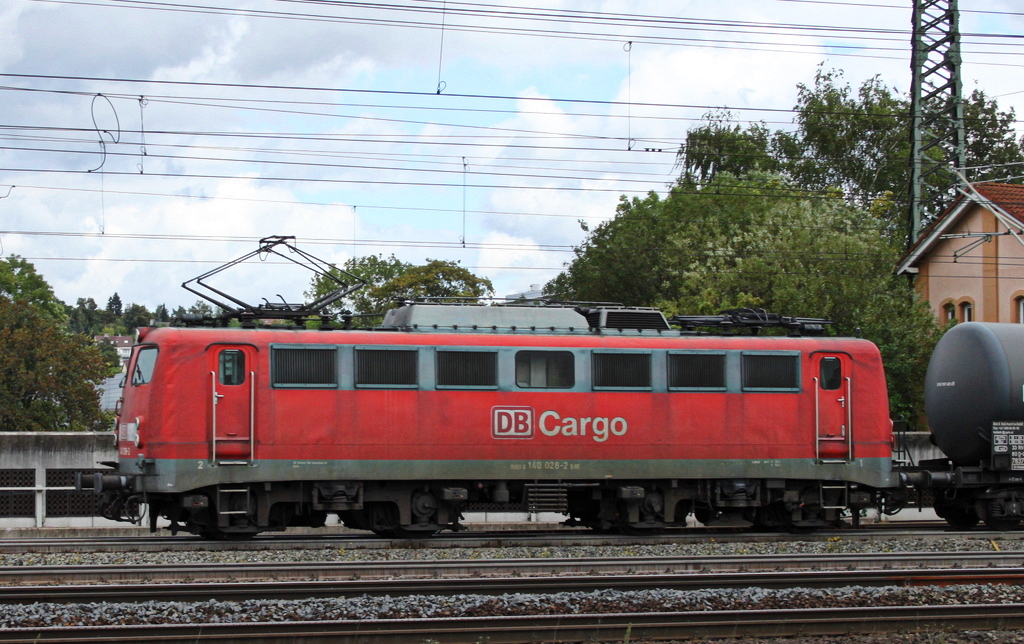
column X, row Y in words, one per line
column 220, row 535
column 960, row 517
column 793, row 528
column 1002, row 524
column 704, row 514
column 634, row 530
column 385, row 522
column 404, row 533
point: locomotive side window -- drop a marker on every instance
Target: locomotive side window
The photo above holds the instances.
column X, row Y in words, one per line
column 771, row 372
column 622, row 370
column 386, row 367
column 304, row 367
column 831, row 373
column 696, row 371
column 467, row 369
column 231, row 367
column 145, row 363
column 545, row 369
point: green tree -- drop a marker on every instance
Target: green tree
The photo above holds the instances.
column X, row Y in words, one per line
column 20, row 281
column 111, row 361
column 991, row 140
column 202, row 308
column 375, row 270
column 48, row 376
column 87, row 317
column 389, row 279
column 759, row 242
column 721, row 145
column 161, row 314
column 854, row 140
column 114, row 306
column 437, row 279
column 134, row 316
column 48, row 373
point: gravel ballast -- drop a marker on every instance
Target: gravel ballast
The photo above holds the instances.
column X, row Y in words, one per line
column 431, row 606
column 434, row 606
column 321, row 552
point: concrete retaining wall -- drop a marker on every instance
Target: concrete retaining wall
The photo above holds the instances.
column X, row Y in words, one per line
column 37, row 477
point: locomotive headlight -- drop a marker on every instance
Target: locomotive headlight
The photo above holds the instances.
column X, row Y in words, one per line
column 133, row 431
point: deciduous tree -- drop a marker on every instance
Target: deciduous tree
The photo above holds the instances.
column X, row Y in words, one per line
column 20, row 281
column 759, row 242
column 854, row 140
column 389, row 279
column 48, row 376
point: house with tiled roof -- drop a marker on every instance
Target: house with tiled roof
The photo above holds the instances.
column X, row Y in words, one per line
column 969, row 263
column 122, row 343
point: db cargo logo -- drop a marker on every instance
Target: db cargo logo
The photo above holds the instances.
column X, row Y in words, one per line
column 512, row 422
column 517, row 422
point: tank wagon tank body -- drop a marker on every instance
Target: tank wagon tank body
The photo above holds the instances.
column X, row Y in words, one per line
column 974, row 401
column 609, row 416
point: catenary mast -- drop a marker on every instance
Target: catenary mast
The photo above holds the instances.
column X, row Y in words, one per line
column 937, row 132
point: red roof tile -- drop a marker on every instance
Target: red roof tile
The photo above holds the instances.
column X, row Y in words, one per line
column 1009, row 196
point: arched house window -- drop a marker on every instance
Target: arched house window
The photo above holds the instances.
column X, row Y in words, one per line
column 1017, row 310
column 966, row 310
column 948, row 311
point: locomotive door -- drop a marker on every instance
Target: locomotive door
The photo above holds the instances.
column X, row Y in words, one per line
column 833, row 408
column 233, row 410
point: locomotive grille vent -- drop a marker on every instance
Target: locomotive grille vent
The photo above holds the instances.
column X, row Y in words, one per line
column 625, row 319
column 771, row 372
column 696, row 371
column 547, row 497
column 622, row 370
column 467, row 368
column 386, row 366
column 310, row 367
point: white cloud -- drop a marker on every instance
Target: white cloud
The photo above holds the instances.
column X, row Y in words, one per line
column 383, row 149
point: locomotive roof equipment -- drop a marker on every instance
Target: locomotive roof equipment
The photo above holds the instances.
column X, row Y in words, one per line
column 248, row 313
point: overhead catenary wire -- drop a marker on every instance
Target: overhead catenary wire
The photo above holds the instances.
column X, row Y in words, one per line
column 532, row 17
column 231, row 103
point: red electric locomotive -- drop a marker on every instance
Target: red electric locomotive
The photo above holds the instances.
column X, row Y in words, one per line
column 608, row 415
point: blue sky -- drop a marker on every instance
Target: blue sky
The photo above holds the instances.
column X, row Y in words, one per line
column 535, row 126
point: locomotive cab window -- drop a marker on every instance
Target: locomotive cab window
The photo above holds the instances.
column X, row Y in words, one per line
column 702, row 371
column 468, row 369
column 309, row 367
column 145, row 364
column 231, row 367
column 622, row 370
column 831, row 373
column 771, row 371
column 386, row 367
column 545, row 369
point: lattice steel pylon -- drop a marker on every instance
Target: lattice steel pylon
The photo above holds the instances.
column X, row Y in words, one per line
column 937, row 132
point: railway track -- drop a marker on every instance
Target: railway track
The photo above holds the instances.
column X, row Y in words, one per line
column 425, row 569
column 561, row 628
column 290, row 582
column 347, row 588
column 494, row 539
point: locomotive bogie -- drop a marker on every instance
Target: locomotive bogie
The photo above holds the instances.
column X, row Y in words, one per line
column 413, row 509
